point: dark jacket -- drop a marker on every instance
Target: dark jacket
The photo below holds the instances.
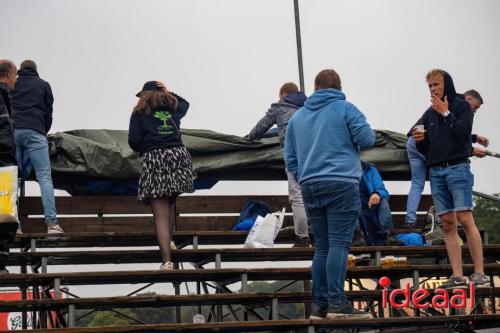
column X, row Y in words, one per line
column 447, row 139
column 7, row 143
column 32, row 102
column 279, row 114
column 160, row 128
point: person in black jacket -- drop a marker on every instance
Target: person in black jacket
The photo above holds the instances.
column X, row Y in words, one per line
column 417, row 160
column 7, row 143
column 166, row 169
column 446, row 144
column 32, row 103
column 7, row 151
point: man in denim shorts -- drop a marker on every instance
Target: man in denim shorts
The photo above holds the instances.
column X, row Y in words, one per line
column 419, row 168
column 446, row 145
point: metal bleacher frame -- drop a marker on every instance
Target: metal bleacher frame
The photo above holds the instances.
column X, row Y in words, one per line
column 120, row 221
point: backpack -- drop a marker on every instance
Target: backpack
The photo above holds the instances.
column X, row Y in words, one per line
column 412, row 239
column 433, row 232
column 249, row 213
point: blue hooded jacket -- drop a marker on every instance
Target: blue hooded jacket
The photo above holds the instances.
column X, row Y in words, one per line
column 371, row 182
column 324, row 137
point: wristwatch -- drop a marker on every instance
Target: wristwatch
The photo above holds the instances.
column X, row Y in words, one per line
column 446, row 114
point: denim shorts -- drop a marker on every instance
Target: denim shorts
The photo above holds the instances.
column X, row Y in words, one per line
column 451, row 188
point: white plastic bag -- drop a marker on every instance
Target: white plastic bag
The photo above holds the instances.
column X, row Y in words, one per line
column 264, row 230
column 8, row 194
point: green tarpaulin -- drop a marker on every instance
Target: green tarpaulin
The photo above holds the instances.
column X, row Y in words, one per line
column 83, row 155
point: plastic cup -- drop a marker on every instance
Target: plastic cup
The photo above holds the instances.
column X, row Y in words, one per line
column 198, row 318
column 419, row 129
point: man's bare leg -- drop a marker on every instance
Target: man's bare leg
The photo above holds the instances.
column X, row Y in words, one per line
column 449, row 223
column 466, row 220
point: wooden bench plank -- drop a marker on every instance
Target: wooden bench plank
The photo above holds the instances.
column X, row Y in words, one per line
column 127, row 239
column 491, row 252
column 185, row 204
column 194, row 275
column 146, row 224
column 100, row 207
column 103, row 303
column 476, row 321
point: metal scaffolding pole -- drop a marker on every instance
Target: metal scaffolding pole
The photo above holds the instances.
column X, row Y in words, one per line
column 299, row 44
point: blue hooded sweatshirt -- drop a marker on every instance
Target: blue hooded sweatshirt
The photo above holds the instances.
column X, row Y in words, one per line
column 371, row 182
column 324, row 137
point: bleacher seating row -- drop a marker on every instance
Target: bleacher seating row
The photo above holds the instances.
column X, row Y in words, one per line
column 297, row 325
column 103, row 222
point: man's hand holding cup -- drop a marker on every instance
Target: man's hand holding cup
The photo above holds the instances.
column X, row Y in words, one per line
column 418, row 133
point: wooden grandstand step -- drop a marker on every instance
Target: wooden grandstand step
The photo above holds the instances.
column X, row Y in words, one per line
column 185, row 204
column 103, row 303
column 127, row 239
column 116, row 239
column 226, row 275
column 100, row 212
column 203, row 256
column 146, row 224
column 469, row 321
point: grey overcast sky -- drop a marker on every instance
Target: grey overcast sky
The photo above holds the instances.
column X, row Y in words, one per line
column 229, row 57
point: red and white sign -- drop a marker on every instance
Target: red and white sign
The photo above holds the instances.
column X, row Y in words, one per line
column 13, row 320
column 442, row 298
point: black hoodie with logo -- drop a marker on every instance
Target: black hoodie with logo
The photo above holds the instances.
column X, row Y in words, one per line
column 32, row 102
column 448, row 139
column 160, row 128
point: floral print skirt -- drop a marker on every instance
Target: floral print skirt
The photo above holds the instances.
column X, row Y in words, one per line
column 165, row 173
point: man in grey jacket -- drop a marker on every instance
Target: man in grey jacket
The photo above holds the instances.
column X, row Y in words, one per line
column 290, row 100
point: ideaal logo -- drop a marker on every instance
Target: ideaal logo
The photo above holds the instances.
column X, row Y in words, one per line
column 420, row 298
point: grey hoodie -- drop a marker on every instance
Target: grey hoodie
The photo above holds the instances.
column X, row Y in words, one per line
column 279, row 114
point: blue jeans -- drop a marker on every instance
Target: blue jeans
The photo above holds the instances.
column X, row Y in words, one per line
column 418, row 171
column 370, row 226
column 384, row 216
column 32, row 150
column 451, row 188
column 332, row 209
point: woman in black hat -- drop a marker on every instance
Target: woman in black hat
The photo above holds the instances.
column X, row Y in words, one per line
column 167, row 169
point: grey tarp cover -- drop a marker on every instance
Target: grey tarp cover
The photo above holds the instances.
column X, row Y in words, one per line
column 84, row 155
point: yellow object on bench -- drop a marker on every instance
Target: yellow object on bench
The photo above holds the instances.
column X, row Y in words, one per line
column 8, row 194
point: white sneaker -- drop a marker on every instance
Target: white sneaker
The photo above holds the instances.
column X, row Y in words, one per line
column 167, row 266
column 172, row 245
column 54, row 229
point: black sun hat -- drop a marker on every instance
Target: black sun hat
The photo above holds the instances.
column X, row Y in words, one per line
column 149, row 86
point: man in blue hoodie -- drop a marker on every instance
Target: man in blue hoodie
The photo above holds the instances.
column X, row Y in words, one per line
column 322, row 145
column 290, row 100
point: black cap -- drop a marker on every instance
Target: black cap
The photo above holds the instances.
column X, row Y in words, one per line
column 149, row 86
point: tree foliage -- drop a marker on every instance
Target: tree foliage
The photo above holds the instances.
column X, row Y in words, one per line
column 167, row 314
column 487, row 216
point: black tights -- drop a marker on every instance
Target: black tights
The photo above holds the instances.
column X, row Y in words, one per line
column 164, row 218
